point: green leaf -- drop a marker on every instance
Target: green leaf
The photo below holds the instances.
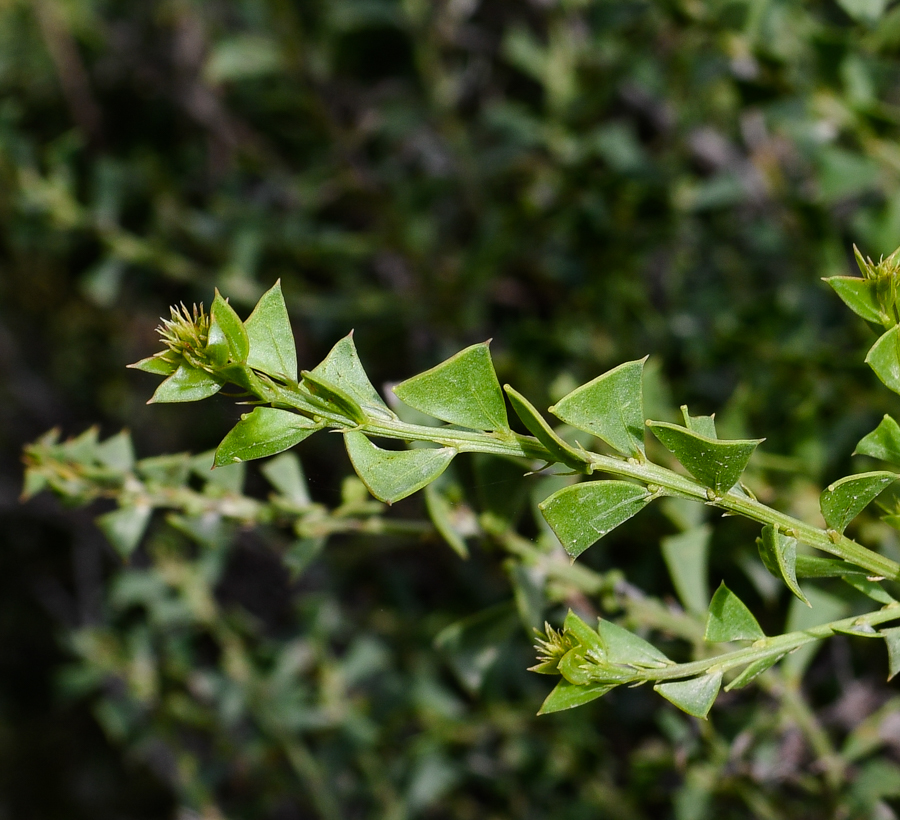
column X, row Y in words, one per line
column 272, row 348
column 229, row 478
column 186, row 384
column 440, row 512
column 686, row 555
column 884, row 358
column 753, row 671
column 343, row 369
column 332, row 397
column 117, row 452
column 575, row 668
column 864, row 11
column 883, row 442
column 892, row 639
column 582, row 514
column 264, row 432
column 156, row 365
column 285, row 474
column 561, row 450
column 842, row 501
column 567, row 695
column 588, row 639
column 860, row 296
column 704, row 425
column 814, row 566
column 871, row 589
column 462, row 390
column 730, row 620
column 825, row 608
column 695, row 696
column 716, row 464
column 624, row 647
column 610, row 407
column 227, row 340
column 125, row 527
column 779, row 553
column 394, row 474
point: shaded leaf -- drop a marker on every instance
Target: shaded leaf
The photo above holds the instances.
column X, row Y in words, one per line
column 228, row 478
column 716, row 464
column 624, row 647
column 842, row 501
column 860, row 295
column 695, row 696
column 582, row 514
column 117, row 452
column 686, row 555
column 264, row 432
column 884, row 358
column 753, row 671
column 567, row 695
column 125, row 527
column 824, row 609
column 272, row 347
column 610, row 407
column 561, row 450
column 892, row 640
column 779, row 553
column 462, row 390
column 343, row 369
column 883, row 442
column 704, row 425
column 186, row 384
column 227, row 340
column 441, row 514
column 730, row 619
column 814, row 566
column 333, row 398
column 285, row 474
column 394, row 474
column 871, row 589
column 156, row 365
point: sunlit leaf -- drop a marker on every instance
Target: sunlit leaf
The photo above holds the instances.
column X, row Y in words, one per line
column 567, row 695
column 779, row 553
column 186, row 384
column 686, row 555
column 228, row 340
column 704, row 425
column 582, row 514
column 538, row 427
column 715, row 463
column 125, row 527
column 730, row 620
column 333, row 398
column 842, row 501
column 624, row 647
column 884, row 358
column 588, row 639
column 610, row 407
column 264, row 432
column 892, row 640
column 883, row 442
column 575, row 668
column 695, row 696
column 859, row 295
column 343, row 369
column 462, row 390
column 394, row 474
column 272, row 347
column 156, row 365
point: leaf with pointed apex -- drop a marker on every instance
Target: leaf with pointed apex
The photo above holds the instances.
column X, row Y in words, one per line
column 582, row 514
column 704, row 425
column 883, row 442
column 686, row 556
column 561, row 450
column 272, row 348
column 567, row 695
column 343, row 369
column 884, row 358
column 695, row 696
column 156, row 365
column 779, row 554
column 462, row 390
column 753, row 671
column 285, row 474
column 125, row 527
column 589, row 641
column 186, row 384
column 624, row 647
column 394, row 474
column 575, row 668
column 264, row 432
column 842, row 501
column 892, row 640
column 871, row 589
column 227, row 340
column 860, row 295
column 730, row 620
column 117, row 451
column 610, row 407
column 335, row 399
column 715, row 463
column 440, row 512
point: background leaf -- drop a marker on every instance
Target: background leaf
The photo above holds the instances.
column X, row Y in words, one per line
column 686, row 556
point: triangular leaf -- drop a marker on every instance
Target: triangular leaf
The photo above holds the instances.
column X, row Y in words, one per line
column 695, row 696
column 332, row 397
column 561, row 450
column 871, row 589
column 624, row 647
column 264, row 432
column 125, row 527
column 582, row 514
column 825, row 608
column 753, row 671
column 186, row 384
column 884, row 358
column 686, row 555
column 117, row 451
column 610, row 407
column 842, row 501
column 394, row 474
column 779, row 553
column 272, row 347
column 588, row 639
column 567, row 695
column 892, row 639
column 883, row 442
column 717, row 464
column 440, row 512
column 285, row 474
column 704, row 425
column 227, row 340
column 860, row 295
column 730, row 620
column 156, row 365
column 343, row 369
column 462, row 390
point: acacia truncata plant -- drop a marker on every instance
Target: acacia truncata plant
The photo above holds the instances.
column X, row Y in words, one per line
column 204, row 352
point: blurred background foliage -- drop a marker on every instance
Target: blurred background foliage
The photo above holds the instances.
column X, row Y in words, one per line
column 584, row 181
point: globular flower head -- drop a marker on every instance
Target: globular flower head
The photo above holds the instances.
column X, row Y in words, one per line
column 185, row 335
